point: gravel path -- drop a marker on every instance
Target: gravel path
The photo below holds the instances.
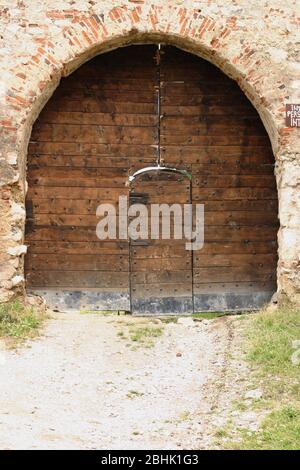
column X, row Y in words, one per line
column 81, row 385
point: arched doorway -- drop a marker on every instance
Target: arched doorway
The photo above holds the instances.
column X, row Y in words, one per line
column 123, row 111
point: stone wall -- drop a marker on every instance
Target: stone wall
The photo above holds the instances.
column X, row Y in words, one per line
column 253, row 42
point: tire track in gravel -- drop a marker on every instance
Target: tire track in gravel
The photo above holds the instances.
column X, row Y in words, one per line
column 79, row 386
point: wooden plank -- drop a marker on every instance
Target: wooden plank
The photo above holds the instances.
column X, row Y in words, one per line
column 204, row 194
column 91, row 105
column 61, row 233
column 194, row 73
column 89, row 84
column 161, row 264
column 236, row 247
column 123, row 71
column 207, row 100
column 77, row 279
column 224, row 218
column 186, row 123
column 242, row 205
column 219, row 111
column 132, row 96
column 240, row 218
column 103, row 119
column 94, row 134
column 162, row 290
column 241, row 233
column 69, row 182
column 65, row 206
column 75, row 247
column 160, row 187
column 197, row 155
column 216, row 129
column 239, row 180
column 168, row 277
column 233, row 168
column 217, row 140
column 120, row 150
column 86, row 171
column 267, row 261
column 85, row 149
column 212, row 154
column 80, row 178
column 160, row 250
column 212, row 234
column 81, row 207
column 77, row 193
column 76, row 220
column 91, row 161
column 198, row 87
column 78, row 262
column 233, row 274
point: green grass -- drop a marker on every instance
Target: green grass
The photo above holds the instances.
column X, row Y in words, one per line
column 185, row 416
column 18, row 321
column 103, row 312
column 167, row 320
column 134, row 394
column 140, row 335
column 268, row 345
column 280, row 430
column 209, row 315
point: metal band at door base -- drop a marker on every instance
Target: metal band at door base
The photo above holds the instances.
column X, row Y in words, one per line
column 162, row 306
column 65, row 300
column 230, row 301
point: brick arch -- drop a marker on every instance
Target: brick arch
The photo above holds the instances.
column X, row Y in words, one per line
column 219, row 41
column 67, row 38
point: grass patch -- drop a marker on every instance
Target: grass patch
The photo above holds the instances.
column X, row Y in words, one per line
column 209, row 315
column 134, row 394
column 18, row 321
column 167, row 320
column 185, row 416
column 271, row 340
column 280, row 430
column 103, row 312
column 140, row 335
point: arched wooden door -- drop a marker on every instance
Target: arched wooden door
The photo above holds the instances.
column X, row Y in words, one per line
column 129, row 109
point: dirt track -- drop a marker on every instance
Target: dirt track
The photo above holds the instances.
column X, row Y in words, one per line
column 82, row 386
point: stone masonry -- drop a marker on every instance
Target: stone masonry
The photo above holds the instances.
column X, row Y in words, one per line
column 255, row 42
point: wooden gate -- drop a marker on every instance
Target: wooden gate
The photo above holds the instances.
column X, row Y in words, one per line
column 161, row 269
column 100, row 124
column 129, row 109
column 207, row 122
